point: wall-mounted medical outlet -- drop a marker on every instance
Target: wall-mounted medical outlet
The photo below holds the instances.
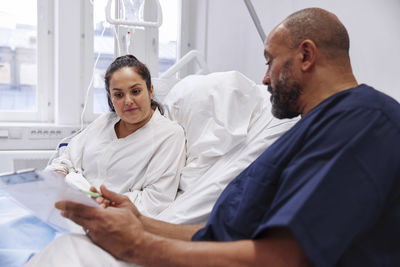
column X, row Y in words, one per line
column 50, row 133
column 33, row 137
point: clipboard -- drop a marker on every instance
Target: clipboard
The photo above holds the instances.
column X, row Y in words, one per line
column 39, row 190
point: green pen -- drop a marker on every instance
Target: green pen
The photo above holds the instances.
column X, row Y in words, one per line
column 91, row 194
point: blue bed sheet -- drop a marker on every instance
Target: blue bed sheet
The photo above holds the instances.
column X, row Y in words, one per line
column 22, row 234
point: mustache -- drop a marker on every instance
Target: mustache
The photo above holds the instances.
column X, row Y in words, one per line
column 269, row 88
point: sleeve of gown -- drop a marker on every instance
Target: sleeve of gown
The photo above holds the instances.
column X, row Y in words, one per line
column 336, row 185
column 162, row 176
column 69, row 157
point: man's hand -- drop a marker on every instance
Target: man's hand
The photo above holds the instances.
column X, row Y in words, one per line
column 115, row 229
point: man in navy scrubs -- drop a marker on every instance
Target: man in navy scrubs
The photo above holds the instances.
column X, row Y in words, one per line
column 326, row 193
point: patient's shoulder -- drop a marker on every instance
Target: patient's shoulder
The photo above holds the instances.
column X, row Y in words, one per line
column 101, row 122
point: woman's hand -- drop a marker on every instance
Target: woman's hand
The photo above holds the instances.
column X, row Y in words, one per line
column 110, row 198
column 104, row 202
column 63, row 174
column 118, row 200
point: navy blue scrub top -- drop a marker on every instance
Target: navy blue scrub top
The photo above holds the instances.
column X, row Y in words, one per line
column 333, row 180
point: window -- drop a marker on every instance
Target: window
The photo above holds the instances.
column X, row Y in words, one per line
column 21, row 96
column 18, row 29
column 47, row 58
column 168, row 35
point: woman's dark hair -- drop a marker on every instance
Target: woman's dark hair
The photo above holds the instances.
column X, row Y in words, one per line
column 140, row 68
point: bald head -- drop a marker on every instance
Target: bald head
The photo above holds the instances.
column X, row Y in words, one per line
column 310, row 48
column 320, row 26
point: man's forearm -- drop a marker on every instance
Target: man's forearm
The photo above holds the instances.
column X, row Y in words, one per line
column 150, row 242
column 174, row 231
column 280, row 249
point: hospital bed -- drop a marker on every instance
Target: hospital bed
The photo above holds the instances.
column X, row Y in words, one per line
column 227, row 123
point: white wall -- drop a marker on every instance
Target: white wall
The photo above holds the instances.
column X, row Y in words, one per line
column 373, row 26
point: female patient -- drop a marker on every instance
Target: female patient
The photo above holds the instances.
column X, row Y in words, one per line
column 133, row 149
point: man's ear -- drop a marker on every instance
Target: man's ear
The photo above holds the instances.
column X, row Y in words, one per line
column 308, row 50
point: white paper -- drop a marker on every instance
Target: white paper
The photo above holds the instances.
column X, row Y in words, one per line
column 41, row 194
column 77, row 179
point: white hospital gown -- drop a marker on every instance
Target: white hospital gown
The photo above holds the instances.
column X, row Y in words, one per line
column 145, row 166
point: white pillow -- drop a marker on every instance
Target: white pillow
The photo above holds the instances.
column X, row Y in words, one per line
column 228, row 123
column 215, row 110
